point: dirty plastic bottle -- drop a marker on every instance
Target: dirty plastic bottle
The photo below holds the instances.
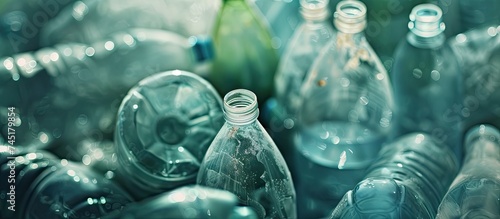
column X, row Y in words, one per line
column 244, row 52
column 47, row 85
column 244, row 160
column 475, row 192
column 408, row 180
column 46, row 187
column 427, row 81
column 192, row 201
column 88, row 21
column 345, row 115
column 164, row 127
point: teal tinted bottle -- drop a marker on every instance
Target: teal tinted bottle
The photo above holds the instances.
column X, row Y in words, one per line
column 427, row 81
column 408, row 180
column 164, row 127
column 344, row 117
column 244, row 160
column 475, row 192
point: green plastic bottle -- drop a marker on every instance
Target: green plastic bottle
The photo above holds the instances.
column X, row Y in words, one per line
column 244, row 52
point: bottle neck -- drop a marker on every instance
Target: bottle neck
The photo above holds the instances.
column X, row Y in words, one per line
column 240, row 107
column 426, row 28
column 314, row 11
column 350, row 17
column 482, row 142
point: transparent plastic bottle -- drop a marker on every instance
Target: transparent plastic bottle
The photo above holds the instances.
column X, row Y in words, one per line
column 408, row 180
column 475, row 192
column 244, row 52
column 59, row 78
column 192, row 201
column 88, row 21
column 47, row 187
column 427, row 81
column 478, row 53
column 309, row 38
column 345, row 115
column 244, row 160
column 165, row 125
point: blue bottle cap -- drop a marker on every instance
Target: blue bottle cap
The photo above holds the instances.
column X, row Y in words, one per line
column 203, row 47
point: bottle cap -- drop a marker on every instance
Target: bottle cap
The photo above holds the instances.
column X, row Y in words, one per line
column 203, row 47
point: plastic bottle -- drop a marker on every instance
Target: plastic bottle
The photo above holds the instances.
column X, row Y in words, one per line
column 308, row 39
column 244, row 160
column 475, row 192
column 478, row 53
column 46, row 187
column 165, row 125
column 427, row 81
column 408, row 180
column 187, row 202
column 88, row 21
column 60, row 77
column 244, row 52
column 345, row 115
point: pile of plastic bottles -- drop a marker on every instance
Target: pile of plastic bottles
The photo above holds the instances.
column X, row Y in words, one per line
column 235, row 109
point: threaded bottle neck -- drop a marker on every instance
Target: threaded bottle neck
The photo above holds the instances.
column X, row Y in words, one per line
column 240, row 107
column 314, row 10
column 350, row 17
column 426, row 27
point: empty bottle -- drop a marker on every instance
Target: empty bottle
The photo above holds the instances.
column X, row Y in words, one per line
column 61, row 77
column 478, row 52
column 165, row 125
column 244, row 160
column 408, row 180
column 475, row 192
column 46, row 187
column 427, row 81
column 308, row 39
column 244, row 52
column 187, row 202
column 345, row 115
column 88, row 21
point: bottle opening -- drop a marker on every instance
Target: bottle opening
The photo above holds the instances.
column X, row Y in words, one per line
column 350, row 16
column 240, row 107
column 314, row 9
column 425, row 20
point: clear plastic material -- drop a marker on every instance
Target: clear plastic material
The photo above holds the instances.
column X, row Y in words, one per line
column 427, row 81
column 475, row 192
column 243, row 159
column 345, row 115
column 408, row 180
column 88, row 21
column 187, row 202
column 60, row 78
column 478, row 52
column 244, row 52
column 478, row 13
column 165, row 125
column 46, row 187
column 305, row 45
